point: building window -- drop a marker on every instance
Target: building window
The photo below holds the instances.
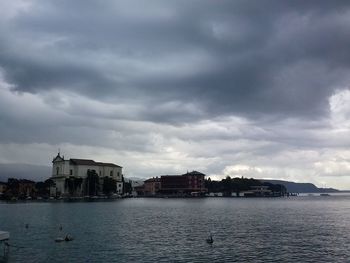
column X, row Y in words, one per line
column 57, row 170
column 71, row 172
column 111, row 173
column 118, row 174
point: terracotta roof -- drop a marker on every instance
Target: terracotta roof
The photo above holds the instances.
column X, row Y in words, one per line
column 91, row 162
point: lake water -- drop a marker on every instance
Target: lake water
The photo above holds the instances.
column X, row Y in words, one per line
column 298, row 229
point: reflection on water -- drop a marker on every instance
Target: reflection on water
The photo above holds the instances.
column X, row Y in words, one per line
column 301, row 229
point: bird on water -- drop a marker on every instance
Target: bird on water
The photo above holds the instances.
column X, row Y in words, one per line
column 210, row 239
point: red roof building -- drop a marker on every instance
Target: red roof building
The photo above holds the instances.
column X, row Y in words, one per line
column 187, row 184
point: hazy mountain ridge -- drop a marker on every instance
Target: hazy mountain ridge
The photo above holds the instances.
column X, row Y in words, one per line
column 24, row 171
column 293, row 187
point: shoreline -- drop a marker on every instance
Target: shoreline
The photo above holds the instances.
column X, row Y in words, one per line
column 103, row 199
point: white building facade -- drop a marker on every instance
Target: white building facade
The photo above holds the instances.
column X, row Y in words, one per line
column 75, row 171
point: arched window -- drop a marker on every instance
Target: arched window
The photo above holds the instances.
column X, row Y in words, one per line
column 57, row 170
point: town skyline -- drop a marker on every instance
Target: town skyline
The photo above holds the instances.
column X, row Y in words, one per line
column 231, row 88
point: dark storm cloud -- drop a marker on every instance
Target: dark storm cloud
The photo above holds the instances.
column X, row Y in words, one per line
column 231, row 57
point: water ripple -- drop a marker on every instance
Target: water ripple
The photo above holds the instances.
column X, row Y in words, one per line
column 174, row 230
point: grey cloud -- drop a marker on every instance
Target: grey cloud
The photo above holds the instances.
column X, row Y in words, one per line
column 170, row 86
column 271, row 58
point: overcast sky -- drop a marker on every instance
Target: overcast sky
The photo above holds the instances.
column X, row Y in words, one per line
column 241, row 88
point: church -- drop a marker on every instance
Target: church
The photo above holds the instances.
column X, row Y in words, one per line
column 84, row 177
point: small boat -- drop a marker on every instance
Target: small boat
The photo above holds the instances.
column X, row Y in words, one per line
column 210, row 239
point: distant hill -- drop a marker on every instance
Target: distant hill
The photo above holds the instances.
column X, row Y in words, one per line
column 24, row 171
column 293, row 187
column 135, row 181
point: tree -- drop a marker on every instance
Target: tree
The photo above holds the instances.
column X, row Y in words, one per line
column 127, row 188
column 72, row 184
column 109, row 185
column 208, row 184
column 49, row 183
column 237, row 185
column 41, row 189
column 91, row 183
column 12, row 188
column 227, row 186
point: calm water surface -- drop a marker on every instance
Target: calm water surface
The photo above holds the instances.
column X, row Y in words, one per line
column 300, row 229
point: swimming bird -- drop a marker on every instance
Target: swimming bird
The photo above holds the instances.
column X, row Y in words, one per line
column 68, row 238
column 210, row 239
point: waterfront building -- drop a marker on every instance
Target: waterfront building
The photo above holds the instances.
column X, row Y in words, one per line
column 138, row 190
column 190, row 183
column 3, row 187
column 21, row 188
column 258, row 191
column 152, row 186
column 79, row 177
column 25, row 187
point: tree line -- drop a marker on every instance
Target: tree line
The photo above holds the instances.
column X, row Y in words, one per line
column 229, row 186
